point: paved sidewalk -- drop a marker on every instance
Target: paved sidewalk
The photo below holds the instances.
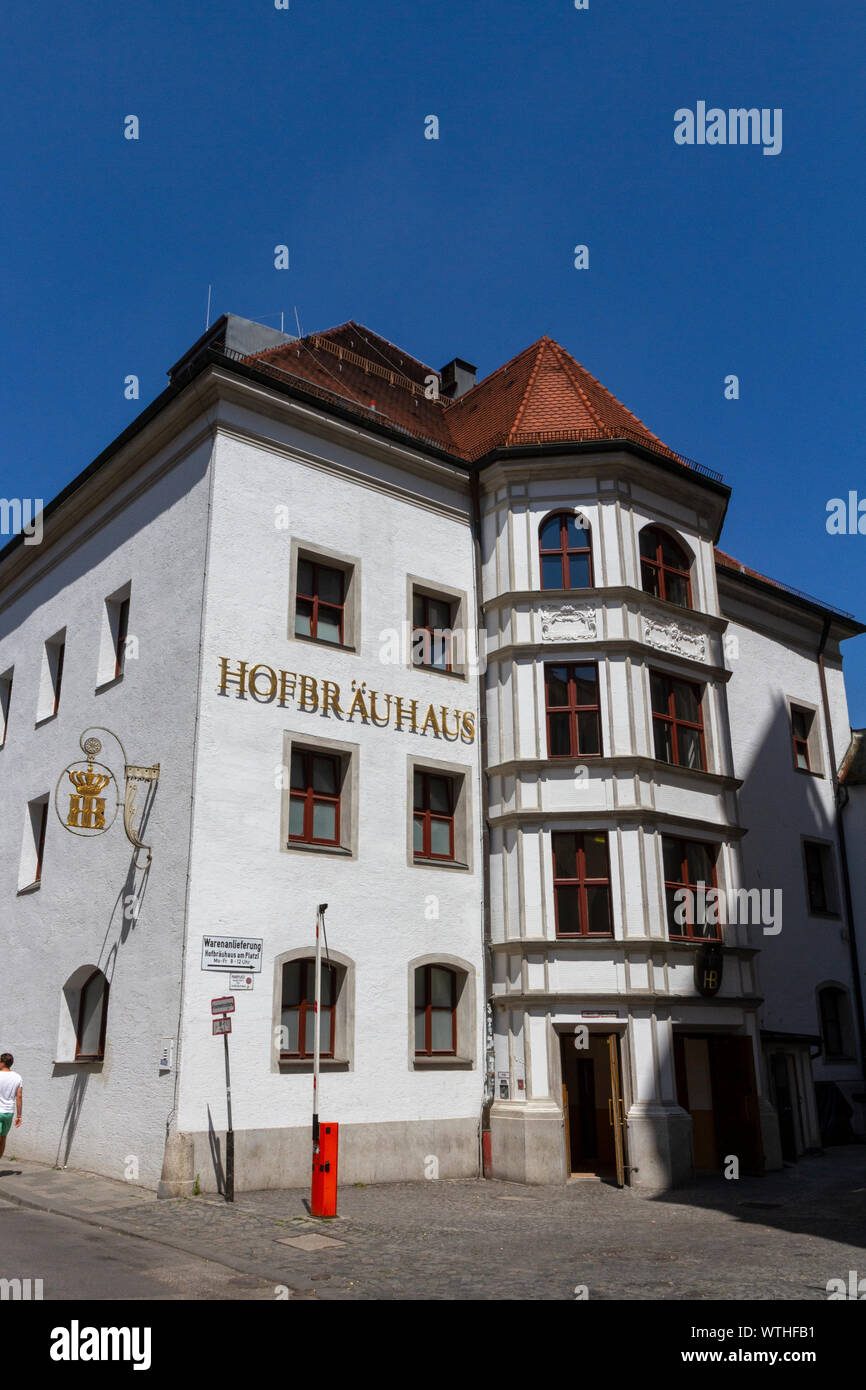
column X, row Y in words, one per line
column 778, row 1237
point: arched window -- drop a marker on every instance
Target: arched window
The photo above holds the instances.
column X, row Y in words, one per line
column 297, row 1016
column 665, row 567
column 92, row 1019
column 435, row 1011
column 565, row 552
column 835, row 1021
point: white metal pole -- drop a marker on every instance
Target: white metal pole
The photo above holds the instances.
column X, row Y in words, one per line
column 318, row 990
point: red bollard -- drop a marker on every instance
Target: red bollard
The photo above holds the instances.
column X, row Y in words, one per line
column 323, row 1200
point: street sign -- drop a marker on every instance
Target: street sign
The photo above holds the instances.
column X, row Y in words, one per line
column 232, row 953
column 241, row 981
column 224, row 1005
column 221, row 1025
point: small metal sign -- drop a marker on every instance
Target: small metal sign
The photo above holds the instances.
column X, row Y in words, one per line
column 221, row 1025
column 241, row 981
column 709, row 963
column 224, row 1005
column 232, row 953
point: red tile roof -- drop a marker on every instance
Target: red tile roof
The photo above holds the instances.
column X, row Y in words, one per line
column 541, row 396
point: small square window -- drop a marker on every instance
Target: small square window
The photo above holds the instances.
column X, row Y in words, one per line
column 439, row 815
column 320, row 798
column 325, row 597
column 439, row 638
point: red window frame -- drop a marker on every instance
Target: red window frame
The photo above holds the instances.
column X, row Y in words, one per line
column 318, row 603
column 307, row 1006
column 564, row 550
column 581, row 882
column 312, row 797
column 675, row 722
column 40, row 842
column 428, row 1010
column 423, row 815
column 100, row 1054
column 659, row 570
column 688, row 932
column 572, row 708
column 801, row 741
column 122, row 630
column 430, row 630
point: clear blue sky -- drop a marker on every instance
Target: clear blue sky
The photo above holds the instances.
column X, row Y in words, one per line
column 261, row 126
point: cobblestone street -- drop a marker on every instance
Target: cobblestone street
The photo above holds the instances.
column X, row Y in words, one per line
column 779, row 1237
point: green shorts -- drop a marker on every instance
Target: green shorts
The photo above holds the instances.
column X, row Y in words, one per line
column 5, row 1125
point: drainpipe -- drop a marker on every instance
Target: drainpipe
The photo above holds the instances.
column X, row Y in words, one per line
column 841, row 800
column 490, row 1073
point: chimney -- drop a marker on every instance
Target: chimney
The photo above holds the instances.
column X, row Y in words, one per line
column 457, row 377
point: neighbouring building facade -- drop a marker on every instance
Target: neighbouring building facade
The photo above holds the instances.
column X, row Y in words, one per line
column 463, row 662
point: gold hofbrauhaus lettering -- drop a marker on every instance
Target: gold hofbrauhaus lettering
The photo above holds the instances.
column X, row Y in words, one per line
column 313, row 694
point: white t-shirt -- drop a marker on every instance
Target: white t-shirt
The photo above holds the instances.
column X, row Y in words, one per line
column 9, row 1083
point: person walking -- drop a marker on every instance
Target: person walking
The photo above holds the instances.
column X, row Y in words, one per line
column 11, row 1092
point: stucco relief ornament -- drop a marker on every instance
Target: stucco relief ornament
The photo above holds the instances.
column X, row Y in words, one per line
column 568, row 624
column 684, row 639
column 90, row 812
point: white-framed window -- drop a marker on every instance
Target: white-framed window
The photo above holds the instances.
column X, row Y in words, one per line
column 822, row 892
column 51, row 679
column 33, row 844
column 806, row 737
column 837, row 1030
column 83, row 1016
column 115, row 642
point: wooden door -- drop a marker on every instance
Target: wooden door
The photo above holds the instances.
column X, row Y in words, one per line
column 616, row 1109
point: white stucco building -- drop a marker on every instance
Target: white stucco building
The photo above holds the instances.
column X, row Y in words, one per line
column 462, row 662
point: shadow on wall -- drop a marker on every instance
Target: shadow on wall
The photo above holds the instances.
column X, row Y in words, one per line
column 215, row 1153
column 128, row 903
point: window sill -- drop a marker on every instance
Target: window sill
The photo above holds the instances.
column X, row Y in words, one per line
column 339, row 850
column 695, row 940
column 79, row 1062
column 808, row 772
column 584, row 936
column 458, row 673
column 323, row 642
column 108, row 685
column 305, row 1064
column 30, row 888
column 421, row 863
column 442, row 1063
column 46, row 719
